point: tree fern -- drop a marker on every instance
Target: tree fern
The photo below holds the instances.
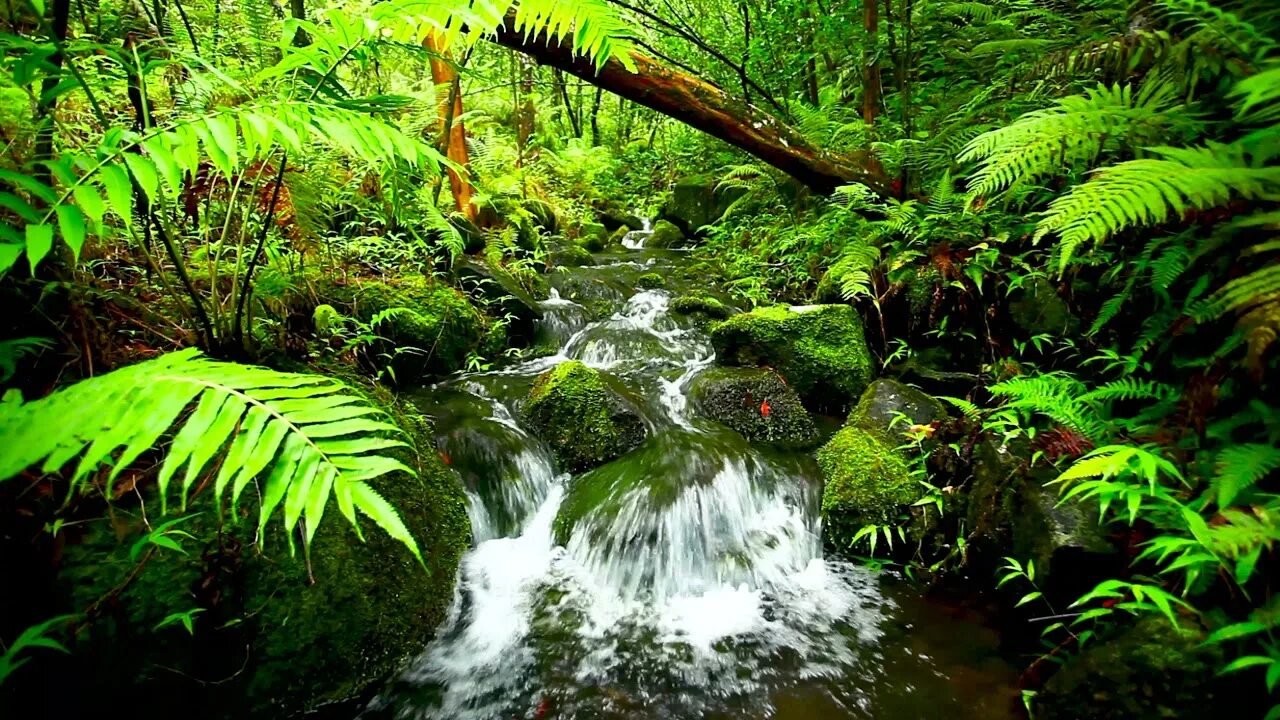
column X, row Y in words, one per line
column 1150, row 191
column 1240, row 467
column 305, row 437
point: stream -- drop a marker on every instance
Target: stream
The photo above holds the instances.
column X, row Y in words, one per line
column 704, row 593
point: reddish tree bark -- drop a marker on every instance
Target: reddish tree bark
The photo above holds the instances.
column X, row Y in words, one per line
column 445, row 78
column 710, row 109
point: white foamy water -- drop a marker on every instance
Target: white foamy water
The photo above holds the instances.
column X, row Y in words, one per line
column 635, row 239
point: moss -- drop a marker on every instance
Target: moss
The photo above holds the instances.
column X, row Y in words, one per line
column 1149, row 670
column 570, row 256
column 650, row 281
column 665, row 235
column 593, row 243
column 438, row 321
column 616, row 237
column 867, row 482
column 585, row 423
column 276, row 643
column 701, row 305
column 755, row 403
column 819, row 349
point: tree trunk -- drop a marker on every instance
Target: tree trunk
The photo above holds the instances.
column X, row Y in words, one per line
column 453, row 133
column 871, row 63
column 595, row 117
column 707, row 108
column 562, row 89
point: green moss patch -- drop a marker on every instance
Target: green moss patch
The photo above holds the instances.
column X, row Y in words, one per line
column 649, row 281
column 819, row 349
column 867, row 482
column 584, row 422
column 756, row 403
column 703, row 305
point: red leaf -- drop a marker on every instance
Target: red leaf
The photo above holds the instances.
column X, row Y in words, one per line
column 764, row 409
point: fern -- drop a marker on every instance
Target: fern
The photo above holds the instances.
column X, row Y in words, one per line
column 306, row 437
column 1149, row 191
column 1073, row 133
column 1240, row 467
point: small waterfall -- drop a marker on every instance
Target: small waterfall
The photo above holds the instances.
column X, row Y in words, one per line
column 635, row 239
column 690, row 584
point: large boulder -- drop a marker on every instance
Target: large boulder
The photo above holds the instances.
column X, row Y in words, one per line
column 569, row 255
column 544, row 216
column 431, row 330
column 1148, row 670
column 866, row 483
column 615, row 218
column 665, row 235
column 584, row 422
column 819, row 349
column 702, row 308
column 697, row 201
column 277, row 633
column 502, row 291
column 886, row 400
column 755, row 402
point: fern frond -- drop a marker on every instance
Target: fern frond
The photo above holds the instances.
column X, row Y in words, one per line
column 1129, row 389
column 1228, row 29
column 1072, row 133
column 306, row 438
column 1240, row 467
column 1150, row 191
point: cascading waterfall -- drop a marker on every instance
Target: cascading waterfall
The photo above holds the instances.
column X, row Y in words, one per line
column 698, row 589
column 635, row 239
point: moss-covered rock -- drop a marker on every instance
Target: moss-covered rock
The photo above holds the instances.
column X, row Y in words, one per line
column 269, row 641
column 543, row 214
column 499, row 288
column 1037, row 308
column 697, row 201
column 665, row 235
column 616, row 238
column 819, row 349
column 615, row 218
column 866, row 482
column 593, row 230
column 432, row 334
column 585, row 423
column 1150, row 670
column 650, row 281
column 569, row 256
column 702, row 307
column 756, row 403
column 593, row 243
column 885, row 400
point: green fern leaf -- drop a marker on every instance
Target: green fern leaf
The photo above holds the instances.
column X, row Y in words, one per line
column 307, row 437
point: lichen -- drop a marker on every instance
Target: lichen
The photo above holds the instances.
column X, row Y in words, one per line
column 819, row 349
column 867, row 482
column 584, row 422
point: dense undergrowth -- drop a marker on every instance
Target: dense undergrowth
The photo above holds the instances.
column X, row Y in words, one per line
column 1078, row 251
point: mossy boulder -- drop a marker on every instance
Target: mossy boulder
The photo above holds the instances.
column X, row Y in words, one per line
column 269, row 641
column 543, row 214
column 1149, row 670
column 755, row 402
column 697, row 201
column 650, row 281
column 593, row 230
column 585, row 423
column 616, row 238
column 665, row 235
column 433, row 334
column 819, row 349
column 593, row 243
column 569, row 256
column 886, row 400
column 502, row 291
column 702, row 307
column 615, row 218
column 866, row 482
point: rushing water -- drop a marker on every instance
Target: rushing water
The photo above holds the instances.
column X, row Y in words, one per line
column 697, row 589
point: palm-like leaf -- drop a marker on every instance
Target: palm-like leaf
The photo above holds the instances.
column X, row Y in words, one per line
column 306, row 437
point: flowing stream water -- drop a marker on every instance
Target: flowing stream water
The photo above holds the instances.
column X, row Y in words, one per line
column 698, row 589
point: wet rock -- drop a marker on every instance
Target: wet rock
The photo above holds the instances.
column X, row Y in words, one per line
column 616, row 238
column 1148, row 670
column 1037, row 308
column 569, row 256
column 277, row 644
column 650, row 281
column 755, row 402
column 473, row 240
column 502, row 291
column 615, row 219
column 696, row 202
column 593, row 230
column 582, row 420
column 703, row 308
column 885, row 400
column 544, row 216
column 866, row 482
column 665, row 235
column 819, row 349
column 431, row 332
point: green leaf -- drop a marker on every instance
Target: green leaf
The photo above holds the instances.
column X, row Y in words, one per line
column 39, row 242
column 144, row 174
column 119, row 192
column 1248, row 661
column 71, row 226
